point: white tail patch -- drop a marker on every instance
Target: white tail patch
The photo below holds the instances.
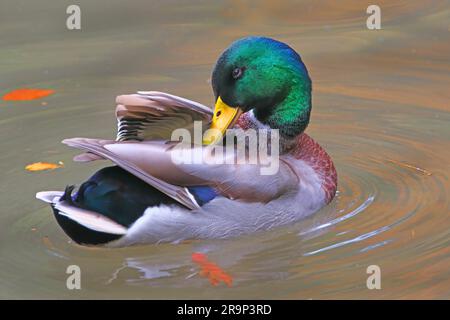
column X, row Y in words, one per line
column 49, row 196
column 90, row 219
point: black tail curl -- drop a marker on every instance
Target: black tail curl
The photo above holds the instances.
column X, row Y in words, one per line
column 67, row 196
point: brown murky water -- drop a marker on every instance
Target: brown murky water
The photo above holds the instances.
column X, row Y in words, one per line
column 381, row 109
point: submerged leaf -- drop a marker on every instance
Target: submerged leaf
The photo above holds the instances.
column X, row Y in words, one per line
column 211, row 270
column 39, row 166
column 27, row 94
column 46, row 241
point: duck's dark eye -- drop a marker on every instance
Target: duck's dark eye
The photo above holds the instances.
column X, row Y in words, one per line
column 237, row 73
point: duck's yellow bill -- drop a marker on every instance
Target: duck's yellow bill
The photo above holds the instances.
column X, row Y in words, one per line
column 224, row 117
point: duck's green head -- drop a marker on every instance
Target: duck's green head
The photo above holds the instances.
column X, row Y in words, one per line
column 266, row 77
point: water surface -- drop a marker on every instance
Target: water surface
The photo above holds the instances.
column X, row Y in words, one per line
column 380, row 108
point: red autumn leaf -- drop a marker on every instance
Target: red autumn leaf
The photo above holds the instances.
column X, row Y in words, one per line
column 27, row 94
column 210, row 270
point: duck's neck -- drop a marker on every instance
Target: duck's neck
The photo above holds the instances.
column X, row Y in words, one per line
column 291, row 115
column 248, row 120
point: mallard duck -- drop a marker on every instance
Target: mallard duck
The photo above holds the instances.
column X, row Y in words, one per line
column 258, row 83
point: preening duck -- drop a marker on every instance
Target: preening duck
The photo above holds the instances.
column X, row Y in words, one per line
column 147, row 197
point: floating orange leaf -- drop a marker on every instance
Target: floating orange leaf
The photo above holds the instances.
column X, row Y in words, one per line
column 27, row 94
column 39, row 166
column 211, row 270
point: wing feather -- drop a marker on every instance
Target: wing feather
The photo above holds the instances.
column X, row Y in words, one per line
column 150, row 115
column 96, row 146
